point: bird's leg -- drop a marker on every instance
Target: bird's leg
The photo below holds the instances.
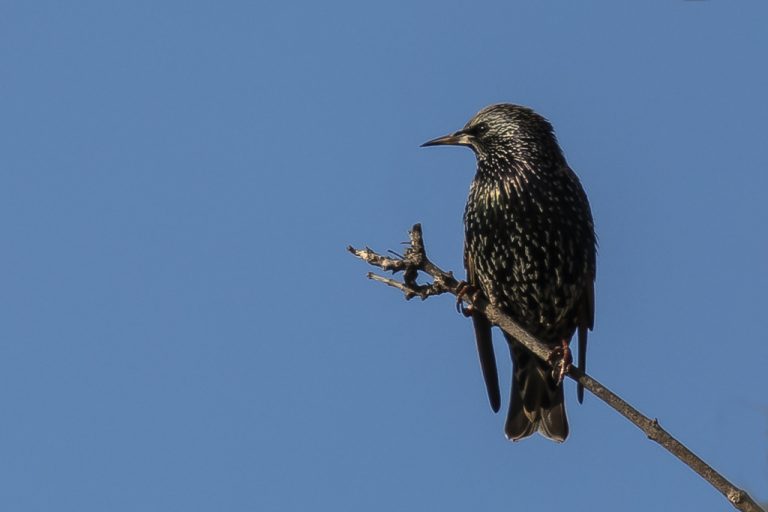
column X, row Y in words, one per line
column 465, row 290
column 560, row 358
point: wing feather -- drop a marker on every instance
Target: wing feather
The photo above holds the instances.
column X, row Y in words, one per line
column 484, row 345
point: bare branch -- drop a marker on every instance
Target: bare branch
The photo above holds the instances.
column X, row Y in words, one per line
column 415, row 260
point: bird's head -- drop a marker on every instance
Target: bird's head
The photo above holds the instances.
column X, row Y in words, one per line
column 505, row 131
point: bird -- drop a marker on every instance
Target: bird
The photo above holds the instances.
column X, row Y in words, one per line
column 530, row 248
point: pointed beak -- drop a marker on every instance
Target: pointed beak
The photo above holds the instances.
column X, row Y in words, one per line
column 455, row 139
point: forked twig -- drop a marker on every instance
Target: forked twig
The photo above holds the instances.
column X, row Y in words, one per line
column 415, row 260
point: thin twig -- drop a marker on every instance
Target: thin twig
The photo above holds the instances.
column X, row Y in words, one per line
column 415, row 260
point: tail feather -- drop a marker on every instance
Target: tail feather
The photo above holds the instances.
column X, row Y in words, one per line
column 536, row 402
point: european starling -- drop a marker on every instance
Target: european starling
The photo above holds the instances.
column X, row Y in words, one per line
column 530, row 249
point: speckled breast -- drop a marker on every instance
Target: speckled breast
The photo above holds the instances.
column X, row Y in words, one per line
column 531, row 240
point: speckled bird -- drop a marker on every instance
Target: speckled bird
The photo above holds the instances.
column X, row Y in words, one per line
column 530, row 249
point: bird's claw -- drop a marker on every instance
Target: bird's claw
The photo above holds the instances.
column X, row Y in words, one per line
column 561, row 360
column 465, row 290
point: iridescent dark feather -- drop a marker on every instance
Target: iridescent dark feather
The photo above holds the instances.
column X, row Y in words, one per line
column 484, row 346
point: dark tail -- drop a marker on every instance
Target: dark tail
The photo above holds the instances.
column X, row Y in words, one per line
column 536, row 402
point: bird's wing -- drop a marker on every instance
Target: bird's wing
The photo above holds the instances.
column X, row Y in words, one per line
column 585, row 309
column 484, row 344
column 586, row 321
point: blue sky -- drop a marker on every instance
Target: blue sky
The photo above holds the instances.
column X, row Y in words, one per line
column 183, row 330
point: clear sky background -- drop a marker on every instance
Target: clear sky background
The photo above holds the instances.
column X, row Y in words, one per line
column 182, row 328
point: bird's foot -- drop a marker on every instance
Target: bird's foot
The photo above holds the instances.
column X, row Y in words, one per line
column 561, row 359
column 465, row 290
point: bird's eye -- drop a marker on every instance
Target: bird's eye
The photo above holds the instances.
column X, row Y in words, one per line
column 480, row 128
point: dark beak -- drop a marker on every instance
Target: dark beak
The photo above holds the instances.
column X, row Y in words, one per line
column 459, row 138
